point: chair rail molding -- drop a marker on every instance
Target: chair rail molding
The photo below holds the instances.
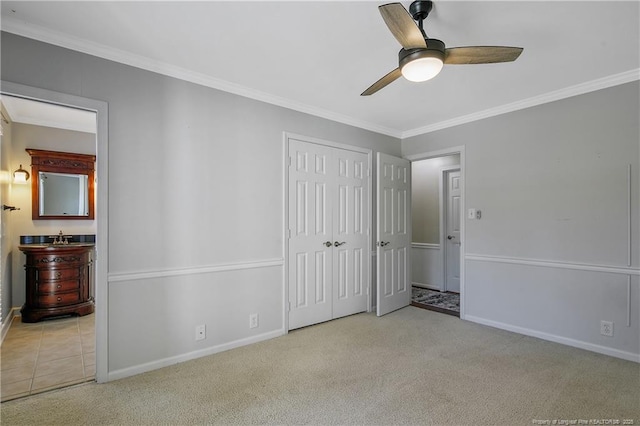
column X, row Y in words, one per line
column 162, row 273
column 612, row 269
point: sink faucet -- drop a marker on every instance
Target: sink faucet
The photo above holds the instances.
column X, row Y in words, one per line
column 60, row 239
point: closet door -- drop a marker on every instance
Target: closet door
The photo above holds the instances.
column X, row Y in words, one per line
column 351, row 233
column 328, row 256
column 311, row 194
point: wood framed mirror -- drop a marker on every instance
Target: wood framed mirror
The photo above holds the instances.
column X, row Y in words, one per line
column 62, row 185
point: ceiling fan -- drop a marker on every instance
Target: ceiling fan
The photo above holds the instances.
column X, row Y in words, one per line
column 421, row 58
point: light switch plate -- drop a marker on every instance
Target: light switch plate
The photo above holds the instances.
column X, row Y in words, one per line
column 472, row 214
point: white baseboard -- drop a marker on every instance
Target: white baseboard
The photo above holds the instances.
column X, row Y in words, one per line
column 629, row 356
column 427, row 286
column 143, row 368
column 15, row 312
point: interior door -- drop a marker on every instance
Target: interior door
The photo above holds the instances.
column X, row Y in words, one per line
column 394, row 233
column 452, row 243
column 329, row 224
column 311, row 240
column 351, row 233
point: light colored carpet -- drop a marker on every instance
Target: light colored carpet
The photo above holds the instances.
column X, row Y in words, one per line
column 412, row 366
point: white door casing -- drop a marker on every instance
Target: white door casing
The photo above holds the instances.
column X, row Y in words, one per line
column 328, row 262
column 452, row 240
column 393, row 233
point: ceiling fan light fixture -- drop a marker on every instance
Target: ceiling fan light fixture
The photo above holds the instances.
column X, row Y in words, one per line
column 422, row 69
column 422, row 64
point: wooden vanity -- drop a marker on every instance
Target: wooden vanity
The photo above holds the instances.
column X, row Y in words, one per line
column 58, row 280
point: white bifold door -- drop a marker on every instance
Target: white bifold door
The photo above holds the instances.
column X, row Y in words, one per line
column 329, row 219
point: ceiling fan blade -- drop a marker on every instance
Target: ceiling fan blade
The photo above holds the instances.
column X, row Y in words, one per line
column 384, row 81
column 402, row 26
column 481, row 54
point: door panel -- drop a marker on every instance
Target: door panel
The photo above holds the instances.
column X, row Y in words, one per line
column 351, row 268
column 310, row 204
column 394, row 233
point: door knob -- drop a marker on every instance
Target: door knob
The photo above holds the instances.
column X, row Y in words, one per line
column 338, row 244
column 383, row 243
column 328, row 243
column 450, row 237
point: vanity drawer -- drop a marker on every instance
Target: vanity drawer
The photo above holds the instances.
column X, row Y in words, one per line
column 58, row 286
column 53, row 260
column 59, row 299
column 58, row 274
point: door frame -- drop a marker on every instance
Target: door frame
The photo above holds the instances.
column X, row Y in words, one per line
column 102, row 208
column 286, row 136
column 441, row 153
column 443, row 222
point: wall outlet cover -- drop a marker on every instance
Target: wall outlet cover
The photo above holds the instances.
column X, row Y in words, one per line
column 253, row 321
column 606, row 328
column 201, row 332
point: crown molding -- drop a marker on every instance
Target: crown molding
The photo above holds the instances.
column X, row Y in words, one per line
column 568, row 92
column 45, row 35
column 14, row 26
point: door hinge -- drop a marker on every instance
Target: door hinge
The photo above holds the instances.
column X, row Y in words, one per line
column 290, row 161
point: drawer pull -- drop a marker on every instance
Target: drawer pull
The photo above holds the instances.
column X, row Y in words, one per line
column 59, row 299
column 58, row 274
column 58, row 286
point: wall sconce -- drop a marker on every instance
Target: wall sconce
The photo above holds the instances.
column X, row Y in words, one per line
column 20, row 175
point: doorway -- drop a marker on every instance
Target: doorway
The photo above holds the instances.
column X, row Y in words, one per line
column 99, row 109
column 438, row 230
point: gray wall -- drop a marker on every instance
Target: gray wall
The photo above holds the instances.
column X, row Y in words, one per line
column 549, row 256
column 195, row 185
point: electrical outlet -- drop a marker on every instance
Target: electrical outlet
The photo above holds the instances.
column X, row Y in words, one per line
column 253, row 321
column 606, row 328
column 201, row 332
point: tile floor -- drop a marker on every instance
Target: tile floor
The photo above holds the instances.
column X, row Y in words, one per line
column 47, row 355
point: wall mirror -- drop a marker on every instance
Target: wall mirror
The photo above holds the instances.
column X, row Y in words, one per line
column 62, row 186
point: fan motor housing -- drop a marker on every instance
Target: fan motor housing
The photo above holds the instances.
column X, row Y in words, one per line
column 435, row 49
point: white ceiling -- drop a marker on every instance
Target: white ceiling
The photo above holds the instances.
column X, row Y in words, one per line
column 27, row 111
column 317, row 57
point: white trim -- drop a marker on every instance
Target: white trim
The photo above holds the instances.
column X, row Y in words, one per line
column 554, row 264
column 102, row 204
column 556, row 95
column 629, row 356
column 165, row 362
column 176, row 272
column 6, row 325
column 426, row 246
column 46, row 35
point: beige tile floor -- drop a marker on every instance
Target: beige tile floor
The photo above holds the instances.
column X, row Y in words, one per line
column 47, row 355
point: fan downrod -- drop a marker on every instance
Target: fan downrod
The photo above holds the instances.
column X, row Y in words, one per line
column 420, row 9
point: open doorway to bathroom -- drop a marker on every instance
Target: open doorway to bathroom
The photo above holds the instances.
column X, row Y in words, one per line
column 436, row 234
column 56, row 351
